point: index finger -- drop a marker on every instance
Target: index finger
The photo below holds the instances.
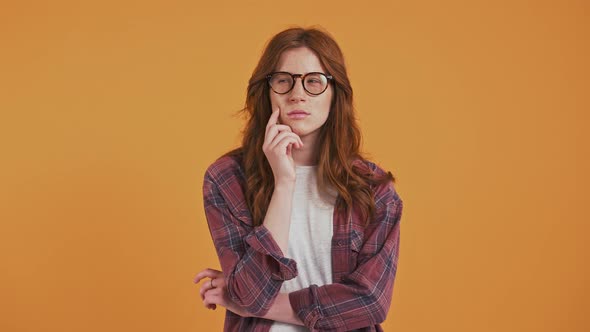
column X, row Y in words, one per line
column 273, row 118
column 207, row 273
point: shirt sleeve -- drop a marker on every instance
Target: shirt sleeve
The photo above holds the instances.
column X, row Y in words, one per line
column 363, row 297
column 252, row 262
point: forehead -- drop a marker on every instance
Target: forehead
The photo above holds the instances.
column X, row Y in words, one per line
column 299, row 60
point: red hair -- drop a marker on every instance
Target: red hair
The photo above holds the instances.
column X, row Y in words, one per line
column 339, row 138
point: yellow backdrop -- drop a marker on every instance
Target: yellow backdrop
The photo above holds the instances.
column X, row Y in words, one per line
column 112, row 110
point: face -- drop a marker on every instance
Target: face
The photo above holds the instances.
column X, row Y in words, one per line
column 316, row 108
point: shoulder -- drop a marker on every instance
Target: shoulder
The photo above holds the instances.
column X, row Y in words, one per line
column 226, row 175
column 384, row 193
column 368, row 166
column 226, row 168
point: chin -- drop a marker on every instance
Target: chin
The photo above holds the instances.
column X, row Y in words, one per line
column 299, row 131
column 302, row 132
column 298, row 128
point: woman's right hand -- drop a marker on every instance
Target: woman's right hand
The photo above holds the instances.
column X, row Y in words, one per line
column 279, row 141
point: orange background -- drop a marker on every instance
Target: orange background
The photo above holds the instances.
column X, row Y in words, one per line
column 111, row 111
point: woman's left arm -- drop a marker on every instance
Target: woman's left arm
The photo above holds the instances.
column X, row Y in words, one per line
column 363, row 297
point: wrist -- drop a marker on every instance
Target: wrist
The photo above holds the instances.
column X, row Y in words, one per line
column 285, row 184
column 282, row 311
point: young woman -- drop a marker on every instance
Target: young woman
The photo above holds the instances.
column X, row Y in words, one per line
column 305, row 228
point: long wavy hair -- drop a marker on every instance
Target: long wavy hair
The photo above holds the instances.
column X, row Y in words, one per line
column 339, row 138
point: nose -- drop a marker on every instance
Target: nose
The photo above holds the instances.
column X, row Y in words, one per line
column 297, row 93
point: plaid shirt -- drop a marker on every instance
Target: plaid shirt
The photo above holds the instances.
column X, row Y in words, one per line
column 364, row 258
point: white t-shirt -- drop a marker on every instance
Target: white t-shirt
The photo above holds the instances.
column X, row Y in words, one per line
column 310, row 237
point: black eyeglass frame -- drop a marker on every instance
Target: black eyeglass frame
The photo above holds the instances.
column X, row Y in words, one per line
column 294, row 76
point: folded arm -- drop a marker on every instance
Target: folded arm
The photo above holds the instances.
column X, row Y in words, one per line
column 252, row 261
column 363, row 297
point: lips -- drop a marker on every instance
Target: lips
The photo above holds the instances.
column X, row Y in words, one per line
column 298, row 112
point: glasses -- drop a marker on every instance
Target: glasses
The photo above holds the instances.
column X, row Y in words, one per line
column 314, row 83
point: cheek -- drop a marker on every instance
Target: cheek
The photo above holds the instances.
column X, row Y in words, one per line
column 326, row 105
column 329, row 98
column 273, row 99
column 277, row 100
